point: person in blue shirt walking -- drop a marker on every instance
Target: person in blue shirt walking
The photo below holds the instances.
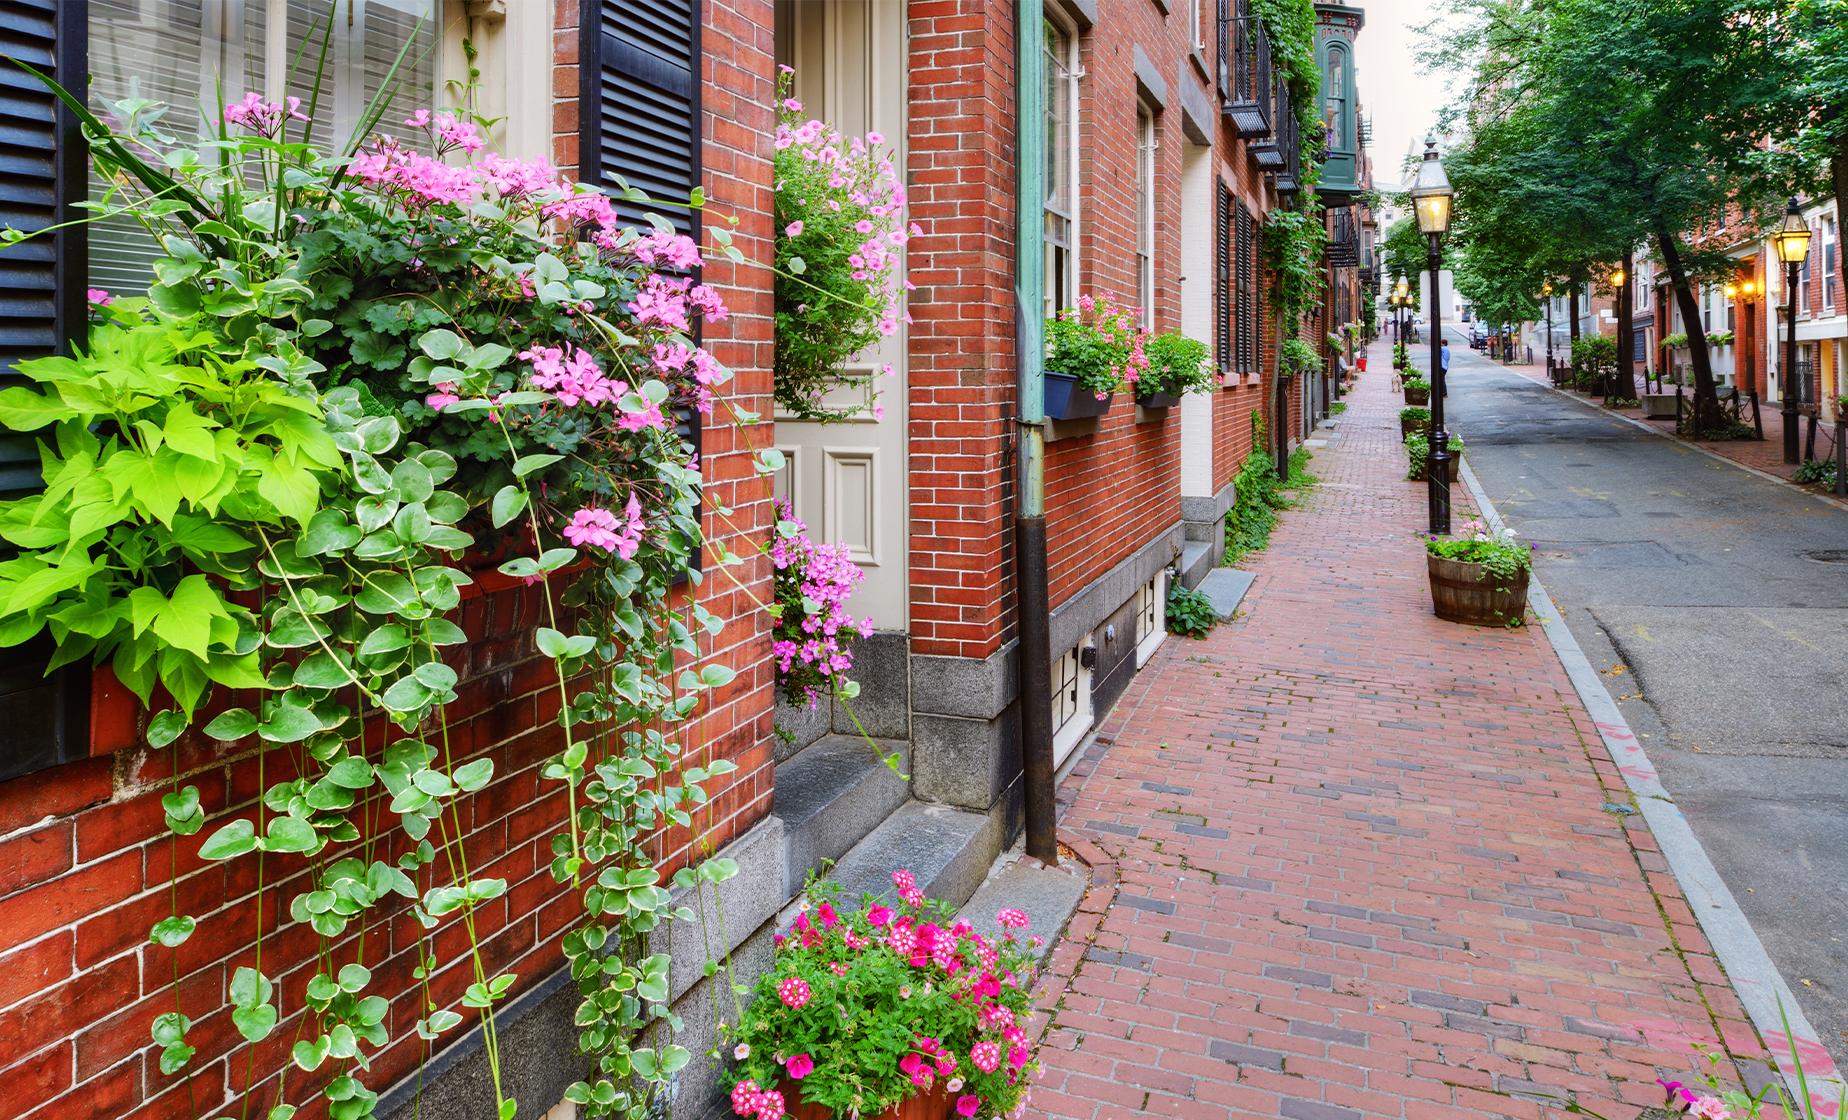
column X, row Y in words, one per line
column 1443, row 362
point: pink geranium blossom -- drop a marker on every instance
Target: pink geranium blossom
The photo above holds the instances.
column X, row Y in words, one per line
column 799, row 1066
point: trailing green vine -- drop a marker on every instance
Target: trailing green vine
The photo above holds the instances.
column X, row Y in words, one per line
column 351, row 373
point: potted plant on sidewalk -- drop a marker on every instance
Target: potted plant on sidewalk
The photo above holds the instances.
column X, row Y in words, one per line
column 1418, row 449
column 1414, row 418
column 1296, row 357
column 1417, row 391
column 1177, row 366
column 1092, row 350
column 1478, row 577
column 891, row 1012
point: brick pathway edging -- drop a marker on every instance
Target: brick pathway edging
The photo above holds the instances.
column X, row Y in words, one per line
column 1761, row 988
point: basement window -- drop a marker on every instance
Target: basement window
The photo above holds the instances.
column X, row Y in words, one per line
column 1071, row 703
column 1151, row 616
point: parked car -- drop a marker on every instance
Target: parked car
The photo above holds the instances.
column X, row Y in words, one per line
column 1478, row 335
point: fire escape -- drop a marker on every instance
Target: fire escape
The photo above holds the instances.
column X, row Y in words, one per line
column 1254, row 98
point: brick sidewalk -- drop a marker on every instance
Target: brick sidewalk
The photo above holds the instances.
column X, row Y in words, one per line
column 1363, row 862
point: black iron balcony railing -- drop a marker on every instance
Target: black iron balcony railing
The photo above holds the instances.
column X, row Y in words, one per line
column 1246, row 77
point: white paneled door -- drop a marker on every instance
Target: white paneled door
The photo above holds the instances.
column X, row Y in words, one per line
column 847, row 479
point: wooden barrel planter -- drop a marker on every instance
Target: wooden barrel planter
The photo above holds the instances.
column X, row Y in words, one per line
column 933, row 1104
column 1415, row 469
column 1418, row 397
column 1464, row 592
column 1407, row 427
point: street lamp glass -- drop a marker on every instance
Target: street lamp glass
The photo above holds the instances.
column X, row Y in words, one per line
column 1616, row 277
column 1546, row 289
column 1732, row 291
column 1431, row 192
column 1792, row 237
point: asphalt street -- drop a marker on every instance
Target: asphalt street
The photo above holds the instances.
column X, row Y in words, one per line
column 1715, row 602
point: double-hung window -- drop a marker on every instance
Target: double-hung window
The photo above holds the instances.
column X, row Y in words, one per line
column 187, row 54
column 1061, row 207
column 1828, row 266
column 1145, row 214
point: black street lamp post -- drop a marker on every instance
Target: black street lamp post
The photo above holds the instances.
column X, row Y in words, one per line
column 1792, row 240
column 1431, row 196
column 1546, row 291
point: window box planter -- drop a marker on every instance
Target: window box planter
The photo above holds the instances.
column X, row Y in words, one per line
column 1466, row 593
column 1659, row 406
column 1417, row 396
column 1157, row 400
column 1067, row 400
column 932, row 1104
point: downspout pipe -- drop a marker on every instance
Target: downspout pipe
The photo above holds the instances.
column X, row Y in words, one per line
column 1031, row 602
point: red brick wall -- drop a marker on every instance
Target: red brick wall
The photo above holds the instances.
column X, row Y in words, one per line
column 960, row 171
column 85, row 857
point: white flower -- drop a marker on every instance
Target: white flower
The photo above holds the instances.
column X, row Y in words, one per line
column 742, row 1052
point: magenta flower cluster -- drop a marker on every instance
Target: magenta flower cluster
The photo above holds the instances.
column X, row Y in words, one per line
column 810, row 641
column 962, row 997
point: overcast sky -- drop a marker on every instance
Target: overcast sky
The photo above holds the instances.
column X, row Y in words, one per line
column 1401, row 96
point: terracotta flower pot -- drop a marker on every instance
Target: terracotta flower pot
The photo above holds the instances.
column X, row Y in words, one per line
column 1465, row 592
column 932, row 1104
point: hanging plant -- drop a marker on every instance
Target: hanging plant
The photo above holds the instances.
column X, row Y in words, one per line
column 1177, row 366
column 813, row 634
column 266, row 476
column 840, row 233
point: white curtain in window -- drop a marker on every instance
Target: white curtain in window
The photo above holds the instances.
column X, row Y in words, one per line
column 194, row 54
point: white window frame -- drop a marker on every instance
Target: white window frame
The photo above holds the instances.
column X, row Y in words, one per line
column 1147, row 142
column 1151, row 616
column 1071, row 703
column 229, row 37
column 1198, row 29
column 1830, row 231
column 1061, row 255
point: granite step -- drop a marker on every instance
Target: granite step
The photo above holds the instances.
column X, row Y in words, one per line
column 831, row 794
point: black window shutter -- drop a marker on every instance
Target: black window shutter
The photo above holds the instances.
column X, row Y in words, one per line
column 1222, row 287
column 43, row 162
column 639, row 101
column 1242, row 250
column 639, row 114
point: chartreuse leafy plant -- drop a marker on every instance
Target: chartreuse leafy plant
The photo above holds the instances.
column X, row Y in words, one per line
column 266, row 476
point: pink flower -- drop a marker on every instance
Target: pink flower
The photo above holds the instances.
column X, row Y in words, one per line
column 800, row 1066
column 770, row 1105
column 877, row 916
column 794, row 991
column 904, row 880
column 744, row 1096
column 986, row 1055
column 741, row 1051
column 1710, row 1108
column 98, row 297
column 968, row 1105
column 793, row 229
column 1011, row 919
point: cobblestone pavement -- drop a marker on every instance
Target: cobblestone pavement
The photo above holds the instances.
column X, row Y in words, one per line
column 1352, row 861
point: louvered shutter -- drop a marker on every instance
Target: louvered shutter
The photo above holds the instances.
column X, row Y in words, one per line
column 640, row 104
column 639, row 114
column 42, row 164
column 1222, row 287
column 1242, row 250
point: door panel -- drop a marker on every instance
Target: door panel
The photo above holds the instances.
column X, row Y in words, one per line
column 847, row 480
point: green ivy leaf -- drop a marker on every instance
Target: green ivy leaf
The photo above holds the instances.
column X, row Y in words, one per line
column 474, row 775
column 165, row 727
column 509, row 501
column 351, row 773
column 234, row 839
column 184, row 815
column 527, row 464
column 291, row 834
column 289, row 724
column 171, row 933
